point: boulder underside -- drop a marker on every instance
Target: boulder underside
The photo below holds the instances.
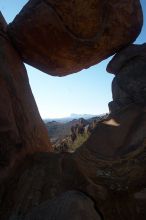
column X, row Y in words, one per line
column 63, row 37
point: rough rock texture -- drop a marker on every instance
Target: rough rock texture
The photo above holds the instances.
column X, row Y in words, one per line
column 72, row 205
column 114, row 156
column 21, row 128
column 133, row 53
column 122, row 182
column 62, row 37
column 129, row 84
column 38, row 178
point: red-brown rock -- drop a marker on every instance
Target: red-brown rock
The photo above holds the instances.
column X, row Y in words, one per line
column 21, row 128
column 62, row 37
column 129, row 84
column 130, row 56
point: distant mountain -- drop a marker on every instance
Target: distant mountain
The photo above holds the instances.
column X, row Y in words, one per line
column 70, row 118
column 85, row 116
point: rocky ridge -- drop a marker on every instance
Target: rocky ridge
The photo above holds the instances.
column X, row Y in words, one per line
column 68, row 136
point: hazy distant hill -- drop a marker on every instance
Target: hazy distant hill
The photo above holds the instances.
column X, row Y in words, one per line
column 70, row 118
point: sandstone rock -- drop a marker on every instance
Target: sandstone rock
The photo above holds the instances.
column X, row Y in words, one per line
column 120, row 97
column 124, row 130
column 124, row 58
column 9, row 134
column 113, row 159
column 42, row 177
column 38, row 178
column 21, row 128
column 70, row 205
column 62, row 37
column 114, row 155
column 129, row 67
column 114, row 185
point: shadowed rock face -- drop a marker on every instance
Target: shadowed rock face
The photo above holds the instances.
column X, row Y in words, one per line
column 132, row 53
column 21, row 128
column 126, row 124
column 125, row 129
column 129, row 84
column 62, row 37
column 71, row 205
column 114, row 155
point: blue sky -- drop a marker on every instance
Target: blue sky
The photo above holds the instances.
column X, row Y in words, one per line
column 86, row 92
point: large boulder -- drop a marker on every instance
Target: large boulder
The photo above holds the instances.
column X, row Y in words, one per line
column 63, row 37
column 21, row 128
